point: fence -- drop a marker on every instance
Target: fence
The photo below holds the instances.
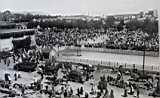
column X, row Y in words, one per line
column 118, row 51
column 110, row 64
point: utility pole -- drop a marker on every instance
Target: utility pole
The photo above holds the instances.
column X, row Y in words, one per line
column 77, row 50
column 78, row 47
column 143, row 60
column 58, row 50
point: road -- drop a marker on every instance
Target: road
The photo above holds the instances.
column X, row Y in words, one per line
column 28, row 77
column 151, row 63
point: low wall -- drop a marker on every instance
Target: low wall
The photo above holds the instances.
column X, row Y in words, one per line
column 109, row 64
column 117, row 51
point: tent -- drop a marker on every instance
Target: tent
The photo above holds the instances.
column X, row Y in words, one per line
column 22, row 43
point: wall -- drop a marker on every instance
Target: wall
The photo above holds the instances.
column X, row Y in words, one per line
column 117, row 51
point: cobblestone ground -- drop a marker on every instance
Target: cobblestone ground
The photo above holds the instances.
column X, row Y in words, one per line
column 29, row 77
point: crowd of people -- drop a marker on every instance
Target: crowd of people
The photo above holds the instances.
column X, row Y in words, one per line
column 110, row 38
column 133, row 40
column 8, row 85
column 67, row 37
column 12, row 88
column 98, row 90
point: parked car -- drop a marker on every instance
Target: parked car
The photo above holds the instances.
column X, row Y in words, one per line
column 25, row 66
column 75, row 76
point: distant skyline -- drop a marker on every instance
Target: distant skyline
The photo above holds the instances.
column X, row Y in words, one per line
column 79, row 7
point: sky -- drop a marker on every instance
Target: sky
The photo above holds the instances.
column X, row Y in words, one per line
column 79, row 7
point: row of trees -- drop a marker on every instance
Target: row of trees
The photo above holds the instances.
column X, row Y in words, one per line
column 151, row 27
column 65, row 24
column 29, row 17
column 20, row 17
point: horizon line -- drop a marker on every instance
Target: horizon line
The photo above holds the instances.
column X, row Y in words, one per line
column 75, row 14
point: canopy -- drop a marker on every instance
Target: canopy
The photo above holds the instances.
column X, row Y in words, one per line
column 23, row 43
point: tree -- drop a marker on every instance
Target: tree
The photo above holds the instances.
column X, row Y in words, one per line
column 151, row 27
column 109, row 22
column 120, row 25
column 134, row 25
column 6, row 15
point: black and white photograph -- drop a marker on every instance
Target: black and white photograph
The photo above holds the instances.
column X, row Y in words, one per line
column 79, row 49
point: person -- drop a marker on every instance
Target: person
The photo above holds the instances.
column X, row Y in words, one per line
column 46, row 88
column 67, row 85
column 81, row 90
column 71, row 91
column 14, row 59
column 5, row 60
column 19, row 74
column 62, row 89
column 8, row 62
column 106, row 93
column 53, row 91
column 38, row 87
column 22, row 90
column 41, row 73
column 87, row 77
column 65, row 93
column 138, row 92
column 131, row 92
column 125, row 93
column 92, row 90
column 15, row 76
column 111, row 94
column 78, row 92
column 7, row 78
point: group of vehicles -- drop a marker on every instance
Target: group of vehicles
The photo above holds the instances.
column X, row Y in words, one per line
column 71, row 74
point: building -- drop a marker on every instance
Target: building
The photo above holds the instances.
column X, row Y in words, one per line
column 12, row 31
column 141, row 16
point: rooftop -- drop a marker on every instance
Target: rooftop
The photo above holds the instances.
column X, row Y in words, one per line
column 14, row 30
column 6, row 23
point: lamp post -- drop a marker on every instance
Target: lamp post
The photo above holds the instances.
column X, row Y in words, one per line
column 144, row 53
column 78, row 50
column 78, row 46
